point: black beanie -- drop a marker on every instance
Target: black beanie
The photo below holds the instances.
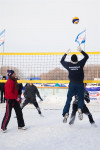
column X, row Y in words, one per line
column 10, row 72
column 74, row 58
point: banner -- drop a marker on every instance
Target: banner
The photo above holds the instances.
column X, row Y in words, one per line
column 94, row 92
column 2, row 37
column 81, row 37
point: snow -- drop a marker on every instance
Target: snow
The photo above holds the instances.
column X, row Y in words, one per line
column 49, row 132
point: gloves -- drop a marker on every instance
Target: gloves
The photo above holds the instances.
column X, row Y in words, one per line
column 87, row 99
column 18, row 100
column 68, row 51
column 79, row 49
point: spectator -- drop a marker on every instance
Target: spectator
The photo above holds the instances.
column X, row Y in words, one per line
column 2, row 87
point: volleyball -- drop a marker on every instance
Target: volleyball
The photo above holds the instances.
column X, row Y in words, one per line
column 75, row 20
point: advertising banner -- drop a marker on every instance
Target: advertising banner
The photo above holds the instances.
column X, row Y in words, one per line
column 94, row 93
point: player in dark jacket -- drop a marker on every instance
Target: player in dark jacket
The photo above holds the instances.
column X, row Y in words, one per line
column 76, row 77
column 2, row 87
column 30, row 96
column 20, row 87
column 85, row 109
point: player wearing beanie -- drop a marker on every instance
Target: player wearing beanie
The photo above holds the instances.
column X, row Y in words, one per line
column 12, row 101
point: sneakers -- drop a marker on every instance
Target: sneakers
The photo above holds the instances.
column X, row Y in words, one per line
column 80, row 115
column 22, row 128
column 65, row 118
column 41, row 115
column 3, row 131
column 72, row 119
column 93, row 124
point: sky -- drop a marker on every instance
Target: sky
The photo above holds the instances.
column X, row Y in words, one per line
column 46, row 25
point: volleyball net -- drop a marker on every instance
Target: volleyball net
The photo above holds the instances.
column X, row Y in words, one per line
column 46, row 67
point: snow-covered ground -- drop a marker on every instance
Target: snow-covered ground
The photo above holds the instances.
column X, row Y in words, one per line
column 48, row 132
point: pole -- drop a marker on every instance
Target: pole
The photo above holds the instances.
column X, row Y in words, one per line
column 85, row 39
column 3, row 40
column 2, row 61
column 2, row 55
column 84, row 46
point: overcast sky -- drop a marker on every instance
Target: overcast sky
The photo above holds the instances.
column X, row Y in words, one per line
column 46, row 25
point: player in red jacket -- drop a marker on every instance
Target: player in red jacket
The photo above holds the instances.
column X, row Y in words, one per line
column 12, row 101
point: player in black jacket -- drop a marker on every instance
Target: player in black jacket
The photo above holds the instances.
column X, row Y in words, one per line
column 20, row 87
column 85, row 109
column 2, row 87
column 30, row 96
column 76, row 77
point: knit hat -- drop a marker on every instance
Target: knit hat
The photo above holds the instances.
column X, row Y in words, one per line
column 10, row 72
column 74, row 58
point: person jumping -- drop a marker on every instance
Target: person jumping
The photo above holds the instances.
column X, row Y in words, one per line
column 85, row 108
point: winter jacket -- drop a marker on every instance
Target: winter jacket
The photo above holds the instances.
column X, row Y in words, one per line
column 2, row 86
column 10, row 91
column 76, row 73
column 20, row 87
column 31, row 91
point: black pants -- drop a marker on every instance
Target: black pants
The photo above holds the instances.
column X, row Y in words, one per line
column 85, row 111
column 2, row 96
column 31, row 101
column 12, row 104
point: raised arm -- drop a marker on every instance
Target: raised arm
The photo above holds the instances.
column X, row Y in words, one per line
column 84, row 54
column 80, row 50
column 63, row 58
column 63, row 62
